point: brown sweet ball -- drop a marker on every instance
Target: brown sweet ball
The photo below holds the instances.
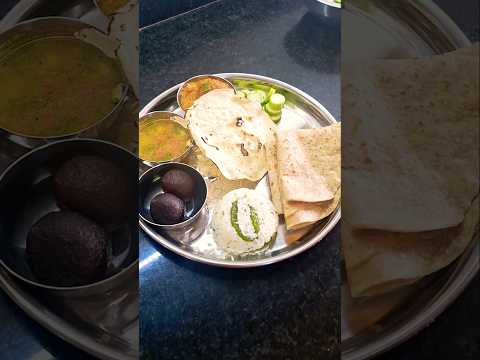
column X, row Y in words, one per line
column 167, row 209
column 178, row 182
column 64, row 248
column 94, row 187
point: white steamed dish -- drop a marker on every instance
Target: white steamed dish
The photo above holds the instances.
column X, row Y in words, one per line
column 244, row 221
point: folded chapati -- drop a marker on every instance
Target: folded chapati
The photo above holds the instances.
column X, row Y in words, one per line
column 309, row 163
column 412, row 156
column 300, row 214
column 304, row 174
column 380, row 261
column 411, row 168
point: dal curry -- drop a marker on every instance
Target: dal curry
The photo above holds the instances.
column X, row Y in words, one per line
column 162, row 139
column 57, row 86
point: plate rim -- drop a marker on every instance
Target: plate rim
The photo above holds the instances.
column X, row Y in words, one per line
column 319, row 234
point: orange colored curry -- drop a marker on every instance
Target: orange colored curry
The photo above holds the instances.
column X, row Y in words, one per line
column 195, row 88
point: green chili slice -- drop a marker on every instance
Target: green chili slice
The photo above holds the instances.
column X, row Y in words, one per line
column 254, row 220
column 236, row 226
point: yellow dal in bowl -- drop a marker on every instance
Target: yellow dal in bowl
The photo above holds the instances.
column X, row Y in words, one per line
column 163, row 139
column 57, row 86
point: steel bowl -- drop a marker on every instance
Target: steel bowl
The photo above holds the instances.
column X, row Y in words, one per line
column 26, row 190
column 165, row 116
column 36, row 29
column 197, row 218
column 198, row 77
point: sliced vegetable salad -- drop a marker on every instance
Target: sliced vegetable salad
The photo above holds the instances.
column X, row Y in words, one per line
column 271, row 101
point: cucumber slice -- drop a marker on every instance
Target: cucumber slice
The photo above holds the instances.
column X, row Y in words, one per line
column 276, row 118
column 257, row 95
column 277, row 101
column 242, row 83
column 261, row 87
column 270, row 93
column 270, row 111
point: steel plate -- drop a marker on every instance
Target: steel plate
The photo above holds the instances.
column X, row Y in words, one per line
column 400, row 30
column 299, row 105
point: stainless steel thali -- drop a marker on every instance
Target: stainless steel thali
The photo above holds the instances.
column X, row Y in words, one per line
column 400, row 29
column 299, row 107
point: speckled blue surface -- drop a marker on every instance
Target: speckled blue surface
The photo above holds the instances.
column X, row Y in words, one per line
column 285, row 311
column 272, row 38
column 22, row 338
column 152, row 11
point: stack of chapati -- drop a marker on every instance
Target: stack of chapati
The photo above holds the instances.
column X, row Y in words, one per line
column 411, row 168
column 304, row 175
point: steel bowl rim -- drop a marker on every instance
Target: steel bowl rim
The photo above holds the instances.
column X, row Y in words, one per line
column 185, row 222
column 64, row 288
column 116, row 107
column 215, row 76
column 319, row 235
column 151, row 163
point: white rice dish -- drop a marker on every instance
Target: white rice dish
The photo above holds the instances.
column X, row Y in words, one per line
column 244, row 221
